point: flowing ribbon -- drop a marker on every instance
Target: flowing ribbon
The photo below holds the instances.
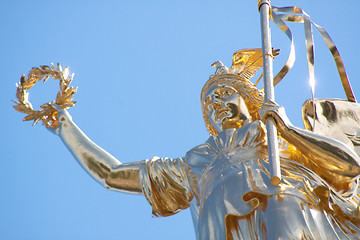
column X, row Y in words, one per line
column 289, row 15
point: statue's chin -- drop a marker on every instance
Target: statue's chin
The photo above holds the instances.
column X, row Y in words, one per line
column 227, row 124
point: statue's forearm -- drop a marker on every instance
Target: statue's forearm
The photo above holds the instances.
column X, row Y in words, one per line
column 101, row 165
column 331, row 159
column 330, row 155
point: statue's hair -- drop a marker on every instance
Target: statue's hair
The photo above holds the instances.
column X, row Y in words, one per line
column 252, row 96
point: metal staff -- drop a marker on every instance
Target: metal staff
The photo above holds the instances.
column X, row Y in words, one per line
column 273, row 150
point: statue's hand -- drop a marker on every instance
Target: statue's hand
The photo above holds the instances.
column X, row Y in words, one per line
column 272, row 111
column 63, row 116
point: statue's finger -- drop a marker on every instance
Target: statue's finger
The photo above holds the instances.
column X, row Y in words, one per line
column 57, row 107
column 52, row 130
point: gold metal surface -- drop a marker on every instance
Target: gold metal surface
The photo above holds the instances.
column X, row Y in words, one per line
column 102, row 166
column 226, row 181
column 334, row 118
column 47, row 114
column 290, row 15
column 245, row 63
column 245, row 89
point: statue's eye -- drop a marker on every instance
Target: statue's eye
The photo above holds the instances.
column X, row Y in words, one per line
column 226, row 94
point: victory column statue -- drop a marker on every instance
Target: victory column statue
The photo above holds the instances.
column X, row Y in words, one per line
column 226, row 182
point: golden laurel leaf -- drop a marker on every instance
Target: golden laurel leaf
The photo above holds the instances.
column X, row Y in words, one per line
column 47, row 114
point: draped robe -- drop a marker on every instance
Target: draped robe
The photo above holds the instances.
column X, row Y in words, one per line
column 226, row 183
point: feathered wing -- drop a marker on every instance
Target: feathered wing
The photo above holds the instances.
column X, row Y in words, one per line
column 247, row 61
column 334, row 118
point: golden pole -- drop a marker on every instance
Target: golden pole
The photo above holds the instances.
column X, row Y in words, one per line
column 273, row 150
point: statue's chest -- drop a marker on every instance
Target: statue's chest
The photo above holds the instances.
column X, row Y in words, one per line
column 232, row 168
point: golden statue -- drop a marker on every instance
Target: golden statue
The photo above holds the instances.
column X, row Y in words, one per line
column 226, row 180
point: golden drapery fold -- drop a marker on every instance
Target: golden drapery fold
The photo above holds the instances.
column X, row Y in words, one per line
column 227, row 181
column 165, row 185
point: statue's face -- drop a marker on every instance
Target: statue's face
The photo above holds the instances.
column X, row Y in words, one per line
column 226, row 107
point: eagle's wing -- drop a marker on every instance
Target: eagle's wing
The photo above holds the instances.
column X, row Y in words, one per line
column 248, row 61
column 334, row 118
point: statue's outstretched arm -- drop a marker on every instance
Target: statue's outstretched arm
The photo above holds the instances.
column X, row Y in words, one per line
column 101, row 165
column 332, row 159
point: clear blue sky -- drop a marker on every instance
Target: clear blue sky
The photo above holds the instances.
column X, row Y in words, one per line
column 140, row 67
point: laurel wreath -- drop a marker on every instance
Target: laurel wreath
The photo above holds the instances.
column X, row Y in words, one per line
column 47, row 113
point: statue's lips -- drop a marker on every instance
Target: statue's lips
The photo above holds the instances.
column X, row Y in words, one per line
column 221, row 114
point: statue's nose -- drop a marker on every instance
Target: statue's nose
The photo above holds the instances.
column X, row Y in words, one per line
column 217, row 104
